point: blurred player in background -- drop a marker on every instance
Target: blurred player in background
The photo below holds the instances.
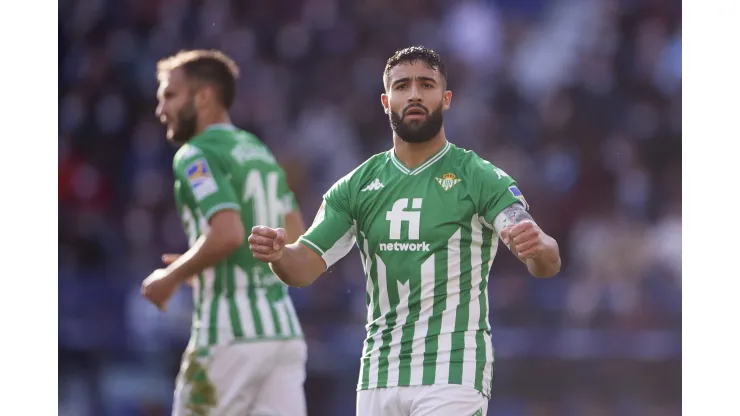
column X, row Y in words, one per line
column 246, row 354
column 426, row 216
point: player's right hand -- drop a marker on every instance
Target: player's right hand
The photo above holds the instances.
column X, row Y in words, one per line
column 267, row 243
column 169, row 259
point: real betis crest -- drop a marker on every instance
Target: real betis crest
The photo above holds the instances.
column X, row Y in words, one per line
column 447, row 181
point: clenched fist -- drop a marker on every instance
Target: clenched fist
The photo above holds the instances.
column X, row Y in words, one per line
column 159, row 288
column 267, row 243
column 524, row 237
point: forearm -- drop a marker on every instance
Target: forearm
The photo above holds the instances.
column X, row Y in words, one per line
column 543, row 258
column 547, row 263
column 299, row 266
column 206, row 252
column 294, row 226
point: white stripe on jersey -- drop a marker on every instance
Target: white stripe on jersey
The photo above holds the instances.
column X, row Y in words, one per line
column 402, row 314
column 421, row 327
column 384, row 305
column 367, row 260
column 224, row 328
column 474, row 312
column 282, row 314
column 488, row 370
column 448, row 316
column 205, row 307
column 241, row 281
column 263, row 306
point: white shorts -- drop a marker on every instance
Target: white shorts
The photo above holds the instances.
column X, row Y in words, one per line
column 441, row 400
column 263, row 378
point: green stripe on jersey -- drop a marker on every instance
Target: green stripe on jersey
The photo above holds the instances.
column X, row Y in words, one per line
column 461, row 314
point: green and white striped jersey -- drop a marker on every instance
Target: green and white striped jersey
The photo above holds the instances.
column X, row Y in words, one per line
column 239, row 299
column 427, row 244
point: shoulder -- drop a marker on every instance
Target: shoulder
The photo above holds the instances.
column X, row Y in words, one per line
column 368, row 170
column 247, row 147
column 475, row 167
column 188, row 154
column 205, row 144
column 207, row 148
column 483, row 177
column 472, row 163
column 345, row 191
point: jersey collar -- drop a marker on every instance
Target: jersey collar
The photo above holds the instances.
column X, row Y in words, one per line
column 437, row 156
column 221, row 126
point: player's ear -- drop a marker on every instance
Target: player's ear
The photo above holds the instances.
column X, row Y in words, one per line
column 386, row 104
column 200, row 97
column 204, row 95
column 446, row 100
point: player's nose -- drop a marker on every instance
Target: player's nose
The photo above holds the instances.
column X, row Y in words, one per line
column 158, row 112
column 415, row 96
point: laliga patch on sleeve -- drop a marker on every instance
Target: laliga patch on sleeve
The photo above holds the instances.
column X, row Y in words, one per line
column 518, row 195
column 200, row 178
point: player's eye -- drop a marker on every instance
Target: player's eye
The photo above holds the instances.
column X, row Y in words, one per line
column 427, row 85
column 401, row 86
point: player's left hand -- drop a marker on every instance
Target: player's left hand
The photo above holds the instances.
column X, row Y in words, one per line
column 158, row 288
column 524, row 237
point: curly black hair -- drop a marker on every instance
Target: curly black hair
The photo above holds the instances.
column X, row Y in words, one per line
column 429, row 57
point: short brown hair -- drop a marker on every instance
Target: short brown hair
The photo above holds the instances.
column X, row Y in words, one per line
column 209, row 66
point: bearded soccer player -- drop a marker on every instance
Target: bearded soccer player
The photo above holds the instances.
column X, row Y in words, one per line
column 246, row 354
column 426, row 216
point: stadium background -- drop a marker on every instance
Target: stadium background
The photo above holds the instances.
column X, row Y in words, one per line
column 580, row 100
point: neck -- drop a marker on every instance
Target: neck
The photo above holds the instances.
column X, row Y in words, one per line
column 218, row 117
column 414, row 154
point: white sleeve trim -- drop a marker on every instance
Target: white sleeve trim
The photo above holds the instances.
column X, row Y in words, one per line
column 220, row 207
column 312, row 244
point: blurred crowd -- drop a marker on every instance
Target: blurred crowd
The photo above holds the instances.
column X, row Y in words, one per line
column 579, row 100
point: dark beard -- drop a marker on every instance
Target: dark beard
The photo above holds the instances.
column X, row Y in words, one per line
column 187, row 123
column 417, row 131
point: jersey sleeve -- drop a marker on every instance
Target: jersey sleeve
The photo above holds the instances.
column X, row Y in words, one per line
column 206, row 178
column 332, row 233
column 495, row 190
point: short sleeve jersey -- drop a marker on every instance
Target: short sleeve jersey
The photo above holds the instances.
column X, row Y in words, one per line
column 239, row 298
column 427, row 244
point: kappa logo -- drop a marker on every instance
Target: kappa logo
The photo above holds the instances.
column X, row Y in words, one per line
column 374, row 186
column 500, row 173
